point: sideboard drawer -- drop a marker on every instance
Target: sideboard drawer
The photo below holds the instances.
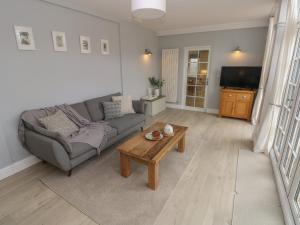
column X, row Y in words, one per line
column 245, row 97
column 229, row 96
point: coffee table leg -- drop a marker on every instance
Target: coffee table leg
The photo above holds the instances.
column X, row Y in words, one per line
column 153, row 175
column 125, row 165
column 181, row 144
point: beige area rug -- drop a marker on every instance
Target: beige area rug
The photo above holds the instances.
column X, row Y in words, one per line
column 98, row 190
column 256, row 201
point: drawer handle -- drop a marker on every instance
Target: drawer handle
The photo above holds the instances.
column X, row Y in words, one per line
column 230, row 95
column 244, row 97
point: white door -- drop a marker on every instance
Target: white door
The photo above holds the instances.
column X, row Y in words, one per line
column 289, row 124
column 290, row 155
column 287, row 144
column 294, row 197
column 196, row 72
column 287, row 104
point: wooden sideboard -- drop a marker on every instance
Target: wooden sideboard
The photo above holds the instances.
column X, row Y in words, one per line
column 236, row 103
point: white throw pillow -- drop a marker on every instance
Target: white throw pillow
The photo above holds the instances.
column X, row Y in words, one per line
column 60, row 123
column 126, row 103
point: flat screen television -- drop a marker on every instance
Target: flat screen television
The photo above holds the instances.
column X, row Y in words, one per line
column 240, row 77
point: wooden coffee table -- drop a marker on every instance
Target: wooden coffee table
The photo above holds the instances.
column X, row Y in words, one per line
column 150, row 152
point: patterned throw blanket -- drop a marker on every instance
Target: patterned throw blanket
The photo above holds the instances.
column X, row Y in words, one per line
column 95, row 134
column 92, row 133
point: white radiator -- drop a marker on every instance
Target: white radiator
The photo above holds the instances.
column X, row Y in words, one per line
column 170, row 73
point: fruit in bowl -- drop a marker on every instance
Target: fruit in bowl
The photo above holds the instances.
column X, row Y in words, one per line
column 156, row 134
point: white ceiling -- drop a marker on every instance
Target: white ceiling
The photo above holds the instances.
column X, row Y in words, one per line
column 182, row 14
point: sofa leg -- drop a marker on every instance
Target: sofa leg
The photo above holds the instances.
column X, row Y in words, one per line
column 70, row 173
column 142, row 129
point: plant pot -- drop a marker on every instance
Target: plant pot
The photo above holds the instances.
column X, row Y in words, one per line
column 150, row 92
column 157, row 92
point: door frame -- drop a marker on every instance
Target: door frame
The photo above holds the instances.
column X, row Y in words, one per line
column 184, row 81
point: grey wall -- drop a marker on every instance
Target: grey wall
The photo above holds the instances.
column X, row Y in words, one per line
column 251, row 40
column 33, row 79
column 137, row 67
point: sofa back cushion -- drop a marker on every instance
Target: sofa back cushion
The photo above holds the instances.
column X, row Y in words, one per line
column 112, row 110
column 60, row 123
column 82, row 110
column 31, row 117
column 95, row 106
column 126, row 103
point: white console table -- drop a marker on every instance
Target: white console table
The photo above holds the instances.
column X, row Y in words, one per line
column 155, row 106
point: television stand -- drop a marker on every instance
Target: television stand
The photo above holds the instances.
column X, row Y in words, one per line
column 236, row 103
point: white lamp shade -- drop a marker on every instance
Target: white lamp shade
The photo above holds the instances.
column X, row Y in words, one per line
column 148, row 9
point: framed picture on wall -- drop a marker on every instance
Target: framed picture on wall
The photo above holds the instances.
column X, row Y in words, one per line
column 24, row 37
column 104, row 47
column 59, row 41
column 85, row 44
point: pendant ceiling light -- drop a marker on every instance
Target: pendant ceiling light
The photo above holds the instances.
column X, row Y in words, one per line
column 148, row 9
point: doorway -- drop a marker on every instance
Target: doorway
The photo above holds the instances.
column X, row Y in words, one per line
column 195, row 82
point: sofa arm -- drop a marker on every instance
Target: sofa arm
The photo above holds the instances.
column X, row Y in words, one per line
column 139, row 106
column 50, row 134
column 47, row 149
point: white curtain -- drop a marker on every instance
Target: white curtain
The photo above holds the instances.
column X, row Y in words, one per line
column 265, row 72
column 265, row 130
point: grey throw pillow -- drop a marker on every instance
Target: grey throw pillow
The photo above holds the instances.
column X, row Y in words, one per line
column 112, row 110
column 60, row 123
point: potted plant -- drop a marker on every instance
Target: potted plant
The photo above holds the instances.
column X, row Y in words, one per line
column 156, row 84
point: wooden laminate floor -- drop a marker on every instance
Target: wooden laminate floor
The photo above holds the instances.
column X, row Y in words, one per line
column 203, row 195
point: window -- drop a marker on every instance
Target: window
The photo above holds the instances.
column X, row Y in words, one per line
column 286, row 145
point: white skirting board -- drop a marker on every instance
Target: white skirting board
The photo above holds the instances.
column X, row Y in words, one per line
column 18, row 166
column 287, row 213
column 208, row 110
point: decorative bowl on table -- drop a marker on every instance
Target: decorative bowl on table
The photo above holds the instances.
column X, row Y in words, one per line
column 154, row 135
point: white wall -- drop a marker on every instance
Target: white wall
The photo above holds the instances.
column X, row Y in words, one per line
column 33, row 79
column 251, row 40
column 137, row 67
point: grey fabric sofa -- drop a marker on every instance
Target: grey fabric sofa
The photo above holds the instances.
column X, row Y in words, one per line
column 51, row 149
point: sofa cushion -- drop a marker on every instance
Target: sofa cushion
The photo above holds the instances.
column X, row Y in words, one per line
column 60, row 123
column 82, row 110
column 95, row 107
column 127, row 121
column 79, row 149
column 32, row 117
column 139, row 106
column 112, row 110
column 126, row 103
